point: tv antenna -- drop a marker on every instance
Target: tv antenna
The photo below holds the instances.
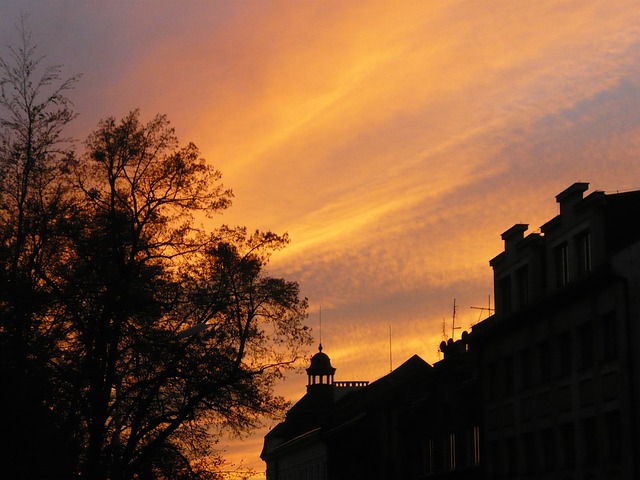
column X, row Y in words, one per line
column 488, row 309
column 390, row 353
column 453, row 320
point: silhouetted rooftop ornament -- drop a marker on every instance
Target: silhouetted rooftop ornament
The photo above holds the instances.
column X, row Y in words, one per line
column 320, row 368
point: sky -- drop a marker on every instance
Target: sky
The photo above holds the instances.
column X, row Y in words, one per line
column 393, row 141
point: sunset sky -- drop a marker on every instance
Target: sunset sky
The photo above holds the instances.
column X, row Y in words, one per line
column 393, row 141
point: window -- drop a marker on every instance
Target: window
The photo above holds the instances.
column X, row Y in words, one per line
column 549, row 449
column 476, row 445
column 562, row 264
column 496, row 462
column 522, row 284
column 525, row 368
column 610, row 385
column 609, row 324
column 529, row 447
column 451, row 451
column 568, row 444
column 464, row 447
column 544, row 361
column 613, row 435
column 427, row 457
column 590, row 441
column 587, row 392
column 511, row 458
column 492, row 372
column 583, row 243
column 505, row 290
column 564, row 400
column 467, row 447
column 585, row 338
column 439, row 452
column 565, row 354
column 509, row 375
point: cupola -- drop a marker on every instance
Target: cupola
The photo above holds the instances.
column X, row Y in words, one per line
column 320, row 372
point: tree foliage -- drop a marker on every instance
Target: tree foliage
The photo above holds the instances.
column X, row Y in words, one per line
column 154, row 335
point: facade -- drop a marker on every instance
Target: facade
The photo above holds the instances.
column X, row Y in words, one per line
column 546, row 388
column 557, row 361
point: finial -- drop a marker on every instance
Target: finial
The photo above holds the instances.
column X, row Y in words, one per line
column 320, row 347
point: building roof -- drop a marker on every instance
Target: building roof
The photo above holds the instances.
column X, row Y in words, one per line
column 318, row 411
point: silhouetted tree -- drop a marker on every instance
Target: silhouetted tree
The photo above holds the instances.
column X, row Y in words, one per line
column 175, row 332
column 133, row 336
column 35, row 206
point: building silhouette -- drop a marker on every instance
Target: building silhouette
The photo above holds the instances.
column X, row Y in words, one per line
column 545, row 388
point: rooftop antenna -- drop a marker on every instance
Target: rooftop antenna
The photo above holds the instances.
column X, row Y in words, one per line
column 453, row 321
column 482, row 309
column 390, row 356
column 444, row 335
column 320, row 329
